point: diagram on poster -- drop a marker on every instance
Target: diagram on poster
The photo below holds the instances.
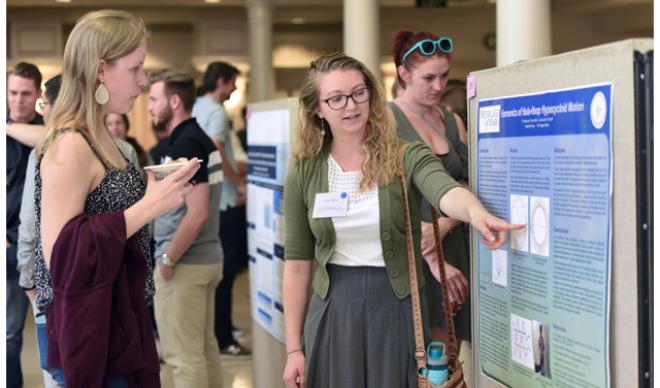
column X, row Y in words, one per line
column 521, row 341
column 540, row 229
column 519, row 212
column 500, row 267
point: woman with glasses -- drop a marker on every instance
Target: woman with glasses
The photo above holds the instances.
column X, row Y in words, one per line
column 423, row 62
column 344, row 209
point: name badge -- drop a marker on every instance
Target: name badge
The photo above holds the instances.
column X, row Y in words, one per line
column 330, row 205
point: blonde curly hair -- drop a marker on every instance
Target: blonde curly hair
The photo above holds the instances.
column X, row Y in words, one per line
column 381, row 143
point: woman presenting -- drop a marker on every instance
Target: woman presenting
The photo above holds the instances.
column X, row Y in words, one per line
column 343, row 208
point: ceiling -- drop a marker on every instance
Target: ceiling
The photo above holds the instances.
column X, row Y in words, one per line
column 313, row 12
column 577, row 5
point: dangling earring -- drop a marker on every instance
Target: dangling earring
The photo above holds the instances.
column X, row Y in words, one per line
column 101, row 94
column 322, row 128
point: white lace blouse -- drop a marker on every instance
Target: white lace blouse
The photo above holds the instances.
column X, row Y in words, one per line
column 357, row 233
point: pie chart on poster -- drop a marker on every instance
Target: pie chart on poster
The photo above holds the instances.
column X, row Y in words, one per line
column 540, row 226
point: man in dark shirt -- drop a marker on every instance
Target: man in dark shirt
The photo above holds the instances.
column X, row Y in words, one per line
column 187, row 243
column 23, row 90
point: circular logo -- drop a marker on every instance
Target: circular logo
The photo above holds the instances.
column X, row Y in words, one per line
column 598, row 110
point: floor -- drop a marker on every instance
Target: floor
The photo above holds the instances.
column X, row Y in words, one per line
column 237, row 373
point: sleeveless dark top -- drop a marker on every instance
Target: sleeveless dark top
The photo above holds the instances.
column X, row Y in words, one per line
column 118, row 190
column 455, row 160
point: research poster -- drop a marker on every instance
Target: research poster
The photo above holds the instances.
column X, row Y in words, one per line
column 545, row 160
column 268, row 150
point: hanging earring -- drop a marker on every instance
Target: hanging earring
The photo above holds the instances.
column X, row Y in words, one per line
column 101, row 94
column 322, row 128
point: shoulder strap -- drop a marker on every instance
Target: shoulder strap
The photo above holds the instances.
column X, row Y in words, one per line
column 451, row 132
column 452, row 348
column 451, row 127
column 420, row 351
column 403, row 124
column 85, row 136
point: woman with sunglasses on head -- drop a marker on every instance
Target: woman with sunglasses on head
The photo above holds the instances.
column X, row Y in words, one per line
column 423, row 61
column 358, row 331
column 93, row 273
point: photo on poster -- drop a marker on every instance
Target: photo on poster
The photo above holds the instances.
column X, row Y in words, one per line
column 500, row 267
column 541, row 342
column 521, row 341
column 519, row 215
column 540, row 226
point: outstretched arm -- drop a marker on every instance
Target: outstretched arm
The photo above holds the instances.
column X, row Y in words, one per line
column 27, row 134
column 461, row 204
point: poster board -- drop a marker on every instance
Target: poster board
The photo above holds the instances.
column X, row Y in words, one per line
column 549, row 81
column 270, row 126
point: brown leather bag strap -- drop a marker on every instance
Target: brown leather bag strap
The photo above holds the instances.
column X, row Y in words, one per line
column 420, row 349
column 452, row 347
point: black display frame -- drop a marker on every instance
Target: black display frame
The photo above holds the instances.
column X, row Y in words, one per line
column 643, row 72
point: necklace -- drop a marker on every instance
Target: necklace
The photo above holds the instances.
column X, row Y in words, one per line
column 421, row 116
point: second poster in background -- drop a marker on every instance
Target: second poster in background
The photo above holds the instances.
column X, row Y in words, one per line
column 268, row 151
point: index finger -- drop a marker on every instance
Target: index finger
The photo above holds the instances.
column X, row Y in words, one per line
column 501, row 225
column 508, row 226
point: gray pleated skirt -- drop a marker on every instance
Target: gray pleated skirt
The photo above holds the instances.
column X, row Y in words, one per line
column 361, row 335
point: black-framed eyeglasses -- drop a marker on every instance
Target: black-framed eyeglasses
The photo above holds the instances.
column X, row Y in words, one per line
column 429, row 46
column 341, row 100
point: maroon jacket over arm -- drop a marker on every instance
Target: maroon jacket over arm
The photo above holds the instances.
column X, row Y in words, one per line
column 97, row 323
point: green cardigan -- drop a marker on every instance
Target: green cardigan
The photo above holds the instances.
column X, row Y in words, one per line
column 308, row 238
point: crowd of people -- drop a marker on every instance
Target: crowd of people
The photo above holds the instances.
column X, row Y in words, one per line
column 113, row 258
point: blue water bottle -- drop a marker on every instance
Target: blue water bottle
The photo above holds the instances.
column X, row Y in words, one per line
column 436, row 363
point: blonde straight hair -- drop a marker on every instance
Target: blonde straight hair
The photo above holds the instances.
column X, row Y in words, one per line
column 381, row 143
column 107, row 35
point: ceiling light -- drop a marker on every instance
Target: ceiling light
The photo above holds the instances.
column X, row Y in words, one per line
column 212, row 1
column 298, row 21
column 62, row 1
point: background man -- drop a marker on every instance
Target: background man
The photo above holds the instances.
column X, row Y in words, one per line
column 23, row 90
column 218, row 84
column 187, row 245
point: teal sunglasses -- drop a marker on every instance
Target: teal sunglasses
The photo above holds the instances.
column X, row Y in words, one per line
column 429, row 46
